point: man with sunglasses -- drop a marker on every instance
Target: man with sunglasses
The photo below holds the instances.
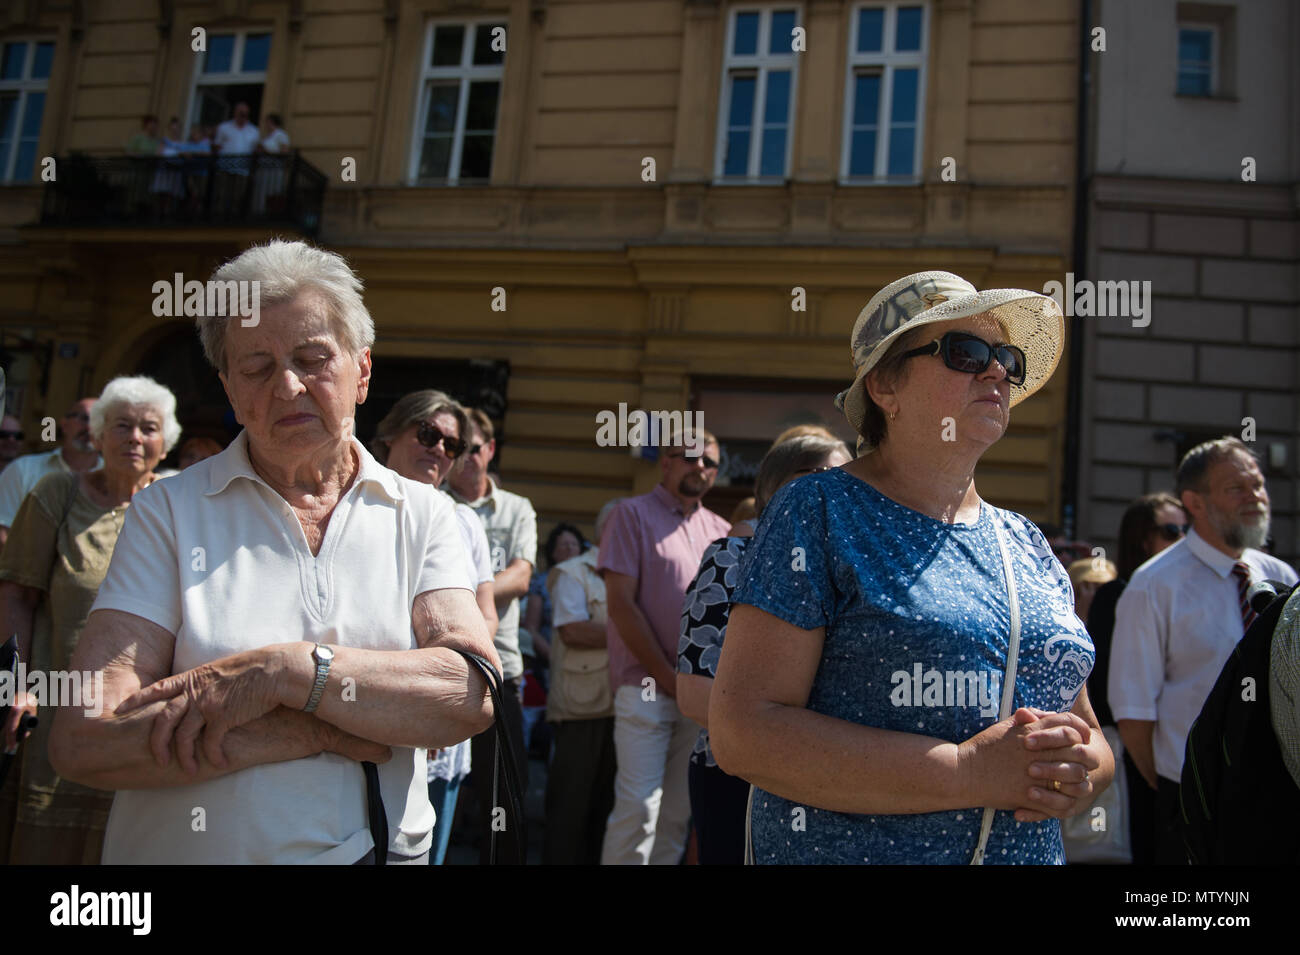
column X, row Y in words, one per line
column 11, row 440
column 511, row 526
column 76, row 453
column 649, row 554
column 1182, row 614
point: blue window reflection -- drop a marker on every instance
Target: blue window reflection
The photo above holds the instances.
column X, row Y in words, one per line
column 907, row 38
column 782, row 32
column 746, row 39
column 220, row 55
column 871, row 30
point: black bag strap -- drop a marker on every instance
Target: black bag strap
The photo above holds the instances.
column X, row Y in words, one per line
column 378, row 817
column 503, row 747
column 504, row 763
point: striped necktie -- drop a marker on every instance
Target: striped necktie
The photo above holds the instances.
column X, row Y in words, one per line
column 1242, row 573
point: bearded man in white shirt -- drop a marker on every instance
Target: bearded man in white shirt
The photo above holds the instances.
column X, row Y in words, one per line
column 1181, row 616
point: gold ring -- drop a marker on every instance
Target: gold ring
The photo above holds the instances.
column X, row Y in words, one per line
column 1056, row 784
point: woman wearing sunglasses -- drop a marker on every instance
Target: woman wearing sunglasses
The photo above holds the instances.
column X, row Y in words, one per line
column 420, row 439
column 860, row 688
column 1150, row 524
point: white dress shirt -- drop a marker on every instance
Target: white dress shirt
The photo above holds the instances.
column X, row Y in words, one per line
column 1176, row 624
column 218, row 558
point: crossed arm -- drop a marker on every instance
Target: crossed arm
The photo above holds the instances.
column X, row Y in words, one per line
column 246, row 709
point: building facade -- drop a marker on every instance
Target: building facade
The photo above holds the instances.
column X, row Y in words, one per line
column 560, row 207
column 1195, row 189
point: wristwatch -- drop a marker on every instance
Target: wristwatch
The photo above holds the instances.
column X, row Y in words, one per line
column 323, row 656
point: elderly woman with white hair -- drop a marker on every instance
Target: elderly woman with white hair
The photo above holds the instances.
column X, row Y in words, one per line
column 281, row 613
column 903, row 675
column 55, row 560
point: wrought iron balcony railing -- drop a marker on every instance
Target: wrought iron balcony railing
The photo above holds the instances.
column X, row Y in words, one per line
column 247, row 190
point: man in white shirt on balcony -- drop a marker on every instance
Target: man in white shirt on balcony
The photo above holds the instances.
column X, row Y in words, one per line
column 236, row 137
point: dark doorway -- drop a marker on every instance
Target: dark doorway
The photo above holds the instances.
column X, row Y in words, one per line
column 474, row 383
column 201, row 406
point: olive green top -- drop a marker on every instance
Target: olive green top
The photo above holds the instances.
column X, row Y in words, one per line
column 60, row 543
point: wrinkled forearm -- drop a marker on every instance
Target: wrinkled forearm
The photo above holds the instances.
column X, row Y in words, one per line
column 425, row 699
column 112, row 752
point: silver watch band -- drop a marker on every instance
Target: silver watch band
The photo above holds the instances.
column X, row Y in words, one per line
column 322, row 674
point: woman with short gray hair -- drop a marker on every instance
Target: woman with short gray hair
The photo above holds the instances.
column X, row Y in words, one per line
column 52, row 567
column 282, row 616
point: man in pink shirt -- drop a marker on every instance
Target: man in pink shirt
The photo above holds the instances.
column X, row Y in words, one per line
column 648, row 556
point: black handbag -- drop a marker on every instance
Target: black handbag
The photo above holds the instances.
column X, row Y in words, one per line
column 504, row 764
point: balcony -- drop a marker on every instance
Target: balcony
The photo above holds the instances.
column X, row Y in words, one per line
column 201, row 191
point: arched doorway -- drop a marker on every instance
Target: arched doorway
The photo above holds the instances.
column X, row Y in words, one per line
column 177, row 361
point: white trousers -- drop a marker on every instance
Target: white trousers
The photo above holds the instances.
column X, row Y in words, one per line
column 652, row 805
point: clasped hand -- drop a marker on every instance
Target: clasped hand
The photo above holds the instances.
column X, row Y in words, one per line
column 213, row 699
column 1014, row 764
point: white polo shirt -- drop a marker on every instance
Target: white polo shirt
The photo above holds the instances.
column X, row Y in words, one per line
column 215, row 556
column 1176, row 624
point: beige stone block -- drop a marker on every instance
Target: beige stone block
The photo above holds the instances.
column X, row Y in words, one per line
column 116, row 69
column 1020, row 164
column 329, row 97
column 123, row 37
column 606, row 55
column 1015, row 42
column 604, row 20
column 1022, row 122
column 648, row 128
column 1022, row 11
column 340, row 63
column 1022, row 82
column 128, row 103
column 645, row 89
column 342, row 30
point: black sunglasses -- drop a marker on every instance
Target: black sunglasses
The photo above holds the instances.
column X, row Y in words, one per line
column 15, row 435
column 431, row 437
column 709, row 463
column 962, row 351
column 1171, row 532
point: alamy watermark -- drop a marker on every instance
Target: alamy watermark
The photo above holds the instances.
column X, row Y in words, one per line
column 1088, row 299
column 178, row 298
column 84, row 688
column 945, row 688
column 640, row 429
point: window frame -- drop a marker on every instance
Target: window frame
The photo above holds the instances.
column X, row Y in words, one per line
column 887, row 61
column 231, row 78
column 761, row 63
column 426, row 78
column 24, row 86
column 1216, row 56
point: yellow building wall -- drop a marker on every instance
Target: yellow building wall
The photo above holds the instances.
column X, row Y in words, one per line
column 619, row 290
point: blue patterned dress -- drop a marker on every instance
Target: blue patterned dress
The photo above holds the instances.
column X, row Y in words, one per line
column 916, row 622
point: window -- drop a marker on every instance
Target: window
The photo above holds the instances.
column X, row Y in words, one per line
column 24, row 78
column 884, row 102
column 1197, row 59
column 232, row 70
column 754, row 118
column 460, row 96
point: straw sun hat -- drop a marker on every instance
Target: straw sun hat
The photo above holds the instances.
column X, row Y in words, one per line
column 1033, row 321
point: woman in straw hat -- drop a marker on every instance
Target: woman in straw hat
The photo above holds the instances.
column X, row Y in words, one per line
column 884, row 606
